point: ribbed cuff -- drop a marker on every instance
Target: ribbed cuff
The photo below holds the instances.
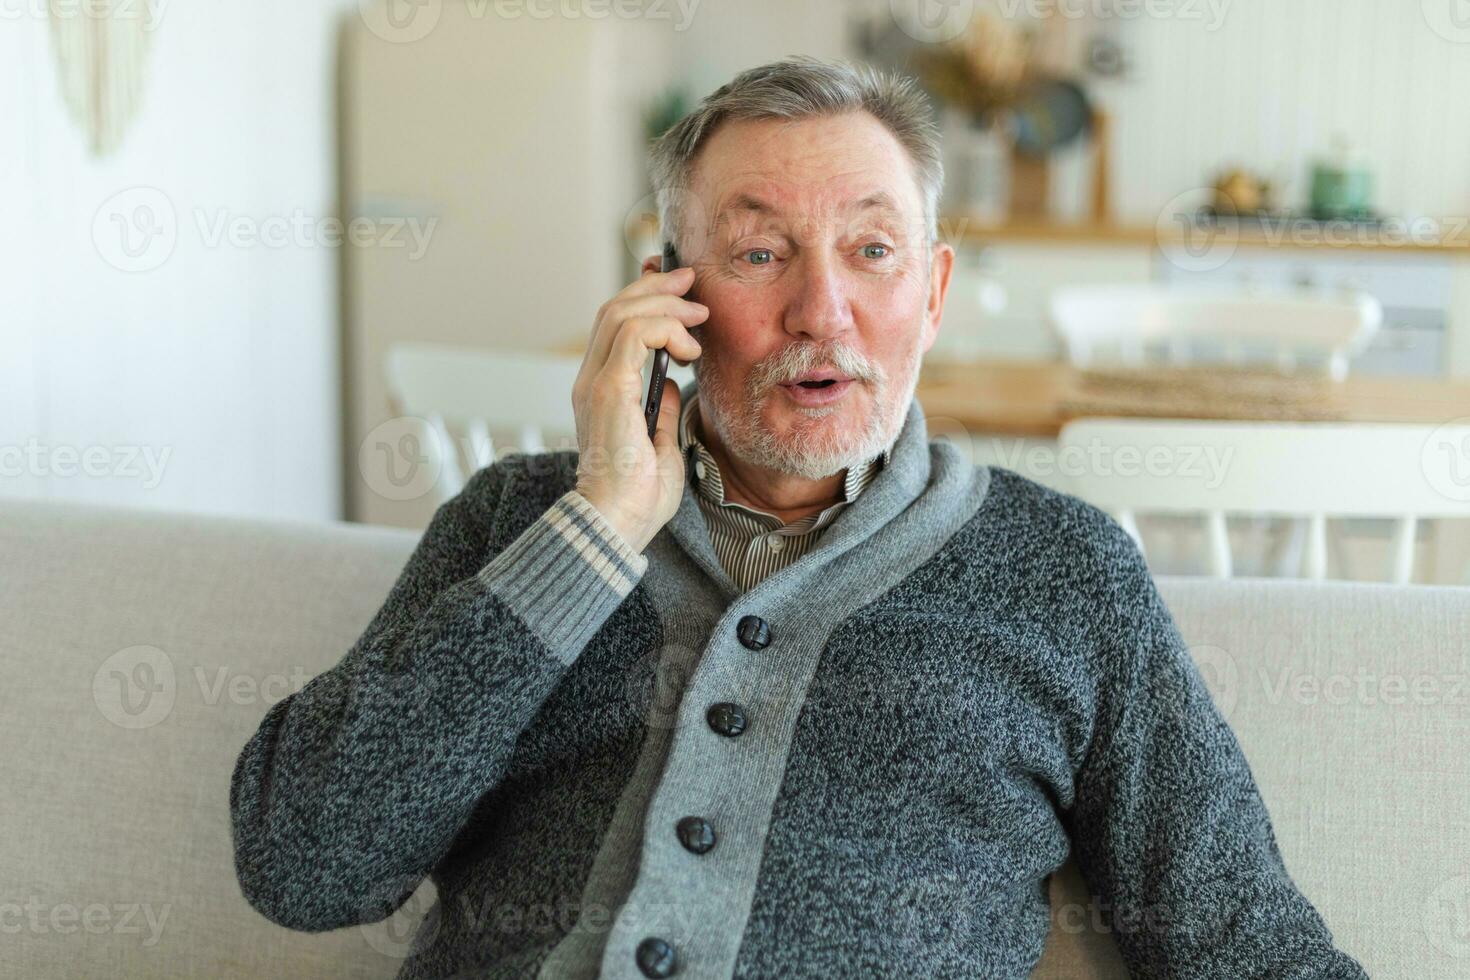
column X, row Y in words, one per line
column 566, row 574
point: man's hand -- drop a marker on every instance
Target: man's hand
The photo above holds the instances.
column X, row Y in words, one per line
column 635, row 484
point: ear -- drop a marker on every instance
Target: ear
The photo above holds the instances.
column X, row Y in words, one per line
column 654, row 263
column 941, row 266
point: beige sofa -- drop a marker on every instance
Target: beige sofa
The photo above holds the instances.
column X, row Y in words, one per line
column 141, row 649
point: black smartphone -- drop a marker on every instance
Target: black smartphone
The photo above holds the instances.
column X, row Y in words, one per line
column 660, row 359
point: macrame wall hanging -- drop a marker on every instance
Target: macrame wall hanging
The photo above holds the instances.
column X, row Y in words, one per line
column 101, row 54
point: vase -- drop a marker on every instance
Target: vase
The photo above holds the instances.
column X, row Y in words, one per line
column 978, row 170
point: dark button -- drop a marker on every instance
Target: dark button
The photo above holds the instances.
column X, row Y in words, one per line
column 696, row 834
column 726, row 718
column 656, row 958
column 754, row 632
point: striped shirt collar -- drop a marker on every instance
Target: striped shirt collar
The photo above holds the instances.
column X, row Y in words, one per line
column 711, row 489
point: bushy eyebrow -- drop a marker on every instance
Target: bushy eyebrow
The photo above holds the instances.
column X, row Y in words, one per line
column 881, row 203
column 747, row 202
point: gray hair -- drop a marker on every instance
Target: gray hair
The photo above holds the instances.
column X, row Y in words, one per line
column 796, row 88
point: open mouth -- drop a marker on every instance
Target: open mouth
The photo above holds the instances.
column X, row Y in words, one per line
column 817, row 392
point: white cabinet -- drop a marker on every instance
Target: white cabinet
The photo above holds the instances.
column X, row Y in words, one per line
column 1415, row 288
column 998, row 299
column 999, row 293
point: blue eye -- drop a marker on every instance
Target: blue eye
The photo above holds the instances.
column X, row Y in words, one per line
column 760, row 251
column 868, row 254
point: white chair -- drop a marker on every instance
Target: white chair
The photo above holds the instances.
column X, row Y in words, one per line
column 1316, row 470
column 477, row 391
column 473, row 391
column 1184, row 323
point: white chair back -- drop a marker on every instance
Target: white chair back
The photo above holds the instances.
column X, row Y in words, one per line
column 1313, row 470
column 463, row 394
column 1188, row 324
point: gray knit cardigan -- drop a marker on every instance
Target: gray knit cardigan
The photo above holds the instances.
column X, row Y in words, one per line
column 970, row 679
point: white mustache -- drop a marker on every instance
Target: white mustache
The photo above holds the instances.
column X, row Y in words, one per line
column 793, row 362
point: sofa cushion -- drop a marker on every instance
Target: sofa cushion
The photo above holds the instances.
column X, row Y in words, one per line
column 138, row 654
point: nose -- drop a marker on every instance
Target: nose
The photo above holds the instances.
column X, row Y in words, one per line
column 819, row 309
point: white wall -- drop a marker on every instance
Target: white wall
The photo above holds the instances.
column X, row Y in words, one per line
column 219, row 360
column 1275, row 81
column 725, row 37
column 1257, row 83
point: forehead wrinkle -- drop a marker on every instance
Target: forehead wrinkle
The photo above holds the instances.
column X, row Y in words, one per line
column 746, row 203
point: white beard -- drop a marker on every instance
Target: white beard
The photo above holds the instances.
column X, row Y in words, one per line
column 815, row 451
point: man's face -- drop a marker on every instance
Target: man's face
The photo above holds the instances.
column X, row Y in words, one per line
column 808, row 243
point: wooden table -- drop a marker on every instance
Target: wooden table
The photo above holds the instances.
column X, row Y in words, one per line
column 1035, row 398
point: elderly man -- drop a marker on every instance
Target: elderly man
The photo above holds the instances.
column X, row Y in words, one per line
column 788, row 690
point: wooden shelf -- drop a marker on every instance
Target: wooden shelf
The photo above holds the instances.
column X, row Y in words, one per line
column 956, row 228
